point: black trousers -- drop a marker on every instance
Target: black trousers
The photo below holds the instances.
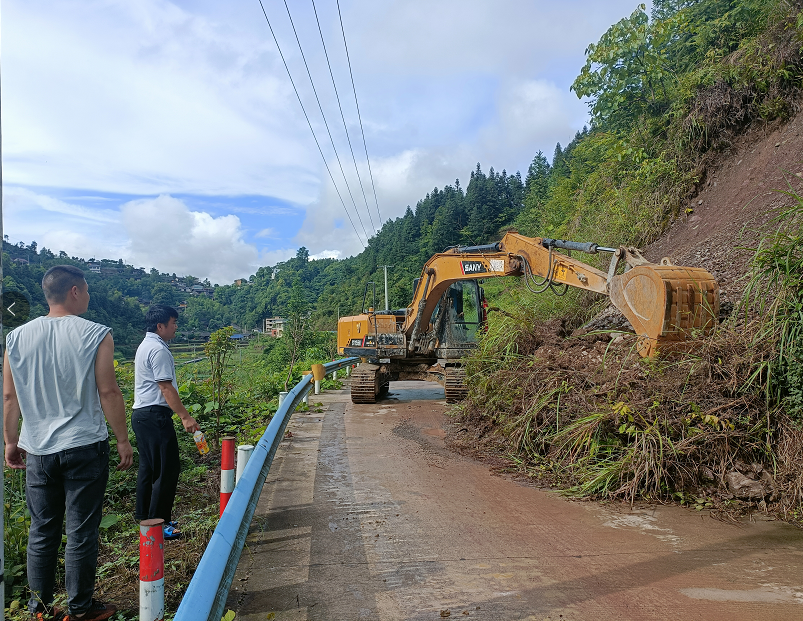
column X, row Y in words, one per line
column 159, row 464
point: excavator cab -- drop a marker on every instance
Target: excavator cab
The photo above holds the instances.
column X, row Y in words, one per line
column 457, row 319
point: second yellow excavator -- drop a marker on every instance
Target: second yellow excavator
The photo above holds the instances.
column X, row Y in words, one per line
column 664, row 303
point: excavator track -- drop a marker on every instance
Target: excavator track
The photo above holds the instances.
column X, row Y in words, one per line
column 365, row 384
column 455, row 384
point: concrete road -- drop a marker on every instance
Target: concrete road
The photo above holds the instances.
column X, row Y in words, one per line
column 366, row 515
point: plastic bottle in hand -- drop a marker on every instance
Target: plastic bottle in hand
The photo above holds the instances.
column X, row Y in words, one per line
column 200, row 442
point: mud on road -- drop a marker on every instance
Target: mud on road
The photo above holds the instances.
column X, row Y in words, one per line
column 367, row 515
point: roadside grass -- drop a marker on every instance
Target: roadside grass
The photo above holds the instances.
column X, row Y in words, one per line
column 775, row 294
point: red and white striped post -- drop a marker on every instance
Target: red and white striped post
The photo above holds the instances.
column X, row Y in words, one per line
column 151, row 570
column 226, row 471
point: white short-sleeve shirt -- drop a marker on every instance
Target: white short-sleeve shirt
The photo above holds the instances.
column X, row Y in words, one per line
column 153, row 363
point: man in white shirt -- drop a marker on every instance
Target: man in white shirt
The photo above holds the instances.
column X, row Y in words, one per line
column 155, row 400
column 58, row 374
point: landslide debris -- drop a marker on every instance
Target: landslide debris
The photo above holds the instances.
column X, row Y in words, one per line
column 577, row 409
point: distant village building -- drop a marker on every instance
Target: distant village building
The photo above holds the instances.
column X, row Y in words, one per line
column 21, row 261
column 200, row 290
column 94, row 268
column 274, row 326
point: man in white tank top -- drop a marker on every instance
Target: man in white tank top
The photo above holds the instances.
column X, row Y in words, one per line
column 58, row 374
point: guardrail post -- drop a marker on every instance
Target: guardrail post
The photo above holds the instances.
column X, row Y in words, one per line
column 282, row 397
column 348, row 371
column 318, row 373
column 226, row 471
column 244, row 452
column 151, row 570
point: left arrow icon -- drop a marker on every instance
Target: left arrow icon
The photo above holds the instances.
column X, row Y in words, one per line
column 16, row 309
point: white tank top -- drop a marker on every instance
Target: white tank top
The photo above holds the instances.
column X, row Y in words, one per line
column 52, row 362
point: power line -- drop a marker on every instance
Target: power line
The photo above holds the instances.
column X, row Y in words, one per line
column 354, row 88
column 306, row 116
column 320, row 107
column 342, row 116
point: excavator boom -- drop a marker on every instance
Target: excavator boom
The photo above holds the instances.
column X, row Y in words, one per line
column 663, row 302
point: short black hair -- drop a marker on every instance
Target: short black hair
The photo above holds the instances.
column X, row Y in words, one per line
column 59, row 280
column 159, row 313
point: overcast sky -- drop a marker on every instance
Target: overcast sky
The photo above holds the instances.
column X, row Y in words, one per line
column 169, row 134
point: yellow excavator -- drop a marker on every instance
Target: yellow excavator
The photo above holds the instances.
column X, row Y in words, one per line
column 664, row 303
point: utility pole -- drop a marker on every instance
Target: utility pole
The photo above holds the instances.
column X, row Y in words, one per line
column 386, row 284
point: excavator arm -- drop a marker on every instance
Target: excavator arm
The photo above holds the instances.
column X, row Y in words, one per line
column 664, row 303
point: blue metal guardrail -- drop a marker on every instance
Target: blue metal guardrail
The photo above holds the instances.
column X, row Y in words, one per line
column 208, row 590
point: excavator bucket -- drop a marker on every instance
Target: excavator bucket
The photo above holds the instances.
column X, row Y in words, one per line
column 666, row 303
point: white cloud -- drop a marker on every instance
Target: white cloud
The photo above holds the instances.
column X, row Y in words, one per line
column 327, row 254
column 530, row 113
column 60, row 225
column 163, row 232
column 18, row 199
column 157, row 232
column 268, row 232
column 147, row 98
column 272, row 257
column 165, row 98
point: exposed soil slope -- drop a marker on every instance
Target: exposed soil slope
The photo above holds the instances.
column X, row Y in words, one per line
column 738, row 195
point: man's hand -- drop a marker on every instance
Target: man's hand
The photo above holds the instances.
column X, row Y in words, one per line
column 14, row 455
column 126, row 453
column 174, row 402
column 190, row 424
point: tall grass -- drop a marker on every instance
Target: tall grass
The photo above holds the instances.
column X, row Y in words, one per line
column 775, row 294
column 592, row 418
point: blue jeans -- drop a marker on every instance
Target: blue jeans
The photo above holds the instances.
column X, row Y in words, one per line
column 73, row 480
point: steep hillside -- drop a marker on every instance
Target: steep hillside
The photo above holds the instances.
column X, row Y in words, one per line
column 741, row 192
column 581, row 411
column 695, row 146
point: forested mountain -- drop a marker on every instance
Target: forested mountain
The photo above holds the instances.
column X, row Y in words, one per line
column 443, row 218
column 667, row 90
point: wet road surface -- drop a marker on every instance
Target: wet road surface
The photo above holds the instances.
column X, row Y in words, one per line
column 366, row 515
